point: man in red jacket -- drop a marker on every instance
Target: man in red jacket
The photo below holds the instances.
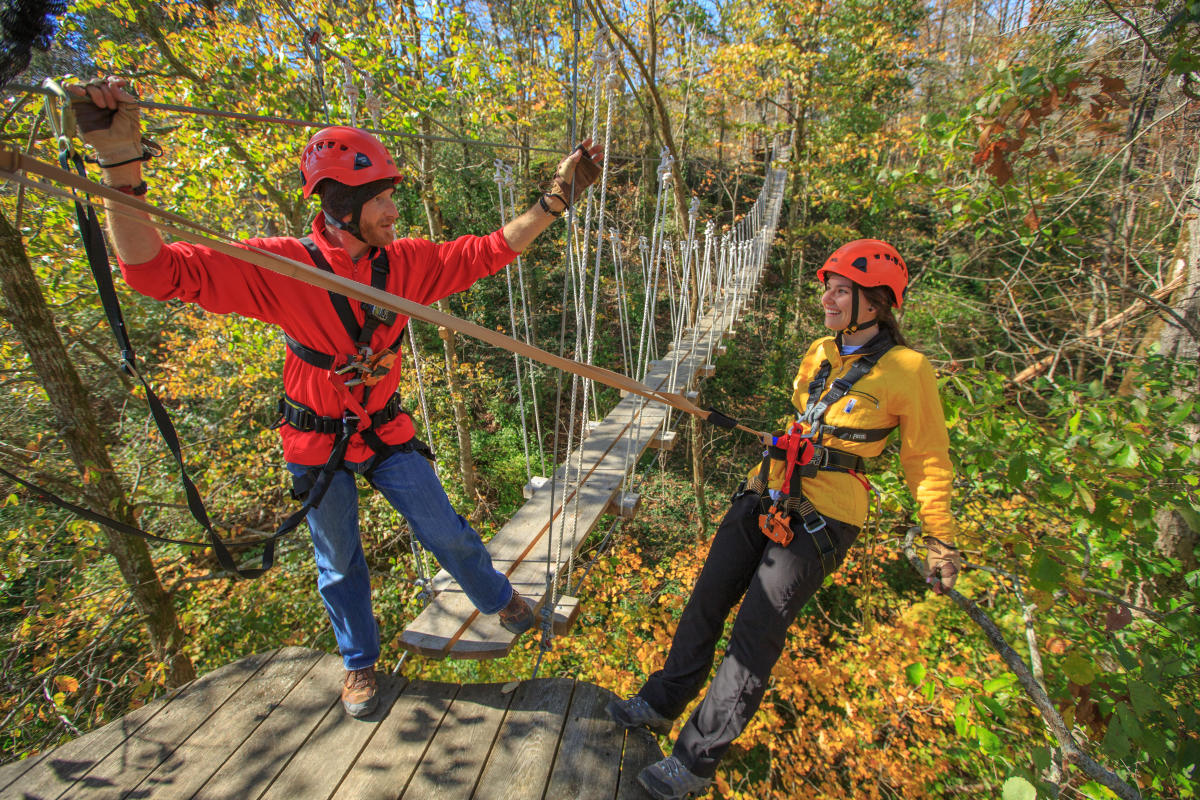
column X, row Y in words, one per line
column 341, row 371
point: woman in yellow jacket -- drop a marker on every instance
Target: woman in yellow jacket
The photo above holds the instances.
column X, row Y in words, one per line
column 799, row 512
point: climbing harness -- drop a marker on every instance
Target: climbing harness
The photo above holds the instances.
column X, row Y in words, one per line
column 804, row 456
column 363, row 367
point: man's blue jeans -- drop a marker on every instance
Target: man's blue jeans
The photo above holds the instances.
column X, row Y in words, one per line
column 409, row 483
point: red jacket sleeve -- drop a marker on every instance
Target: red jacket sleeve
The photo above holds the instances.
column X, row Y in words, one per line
column 214, row 281
column 429, row 271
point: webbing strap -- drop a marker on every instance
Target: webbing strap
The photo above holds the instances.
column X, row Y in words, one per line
column 816, row 527
column 817, row 405
column 373, row 317
column 359, row 334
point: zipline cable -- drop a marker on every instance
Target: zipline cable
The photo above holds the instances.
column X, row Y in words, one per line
column 294, row 122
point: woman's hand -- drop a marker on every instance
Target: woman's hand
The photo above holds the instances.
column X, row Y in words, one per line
column 943, row 563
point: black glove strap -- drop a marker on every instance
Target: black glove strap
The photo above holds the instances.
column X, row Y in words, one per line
column 546, row 206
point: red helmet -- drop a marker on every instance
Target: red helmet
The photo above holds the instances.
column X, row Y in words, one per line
column 869, row 262
column 347, row 155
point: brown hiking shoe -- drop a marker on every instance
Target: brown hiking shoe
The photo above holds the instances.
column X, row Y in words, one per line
column 517, row 616
column 360, row 691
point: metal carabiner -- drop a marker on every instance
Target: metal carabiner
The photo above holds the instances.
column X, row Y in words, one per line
column 61, row 116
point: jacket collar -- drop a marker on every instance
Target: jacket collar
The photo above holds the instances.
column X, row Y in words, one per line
column 338, row 258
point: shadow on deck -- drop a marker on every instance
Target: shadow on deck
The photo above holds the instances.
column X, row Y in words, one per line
column 271, row 726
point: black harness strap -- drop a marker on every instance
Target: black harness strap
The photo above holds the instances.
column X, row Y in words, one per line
column 303, row 418
column 826, row 458
column 312, row 486
column 97, row 256
column 373, row 316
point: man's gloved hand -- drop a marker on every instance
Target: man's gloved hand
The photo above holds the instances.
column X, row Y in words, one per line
column 577, row 172
column 108, row 119
column 943, row 563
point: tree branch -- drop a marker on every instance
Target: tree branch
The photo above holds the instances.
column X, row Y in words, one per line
column 1071, row 749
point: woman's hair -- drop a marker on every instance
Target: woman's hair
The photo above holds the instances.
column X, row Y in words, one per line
column 881, row 298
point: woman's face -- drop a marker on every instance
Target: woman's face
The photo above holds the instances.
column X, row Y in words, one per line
column 838, row 301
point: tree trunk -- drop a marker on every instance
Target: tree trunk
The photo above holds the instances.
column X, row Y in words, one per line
column 77, row 424
column 1176, row 539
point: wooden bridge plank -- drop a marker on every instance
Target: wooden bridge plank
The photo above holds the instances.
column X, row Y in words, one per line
column 455, row 758
column 387, row 763
column 114, row 767
column 589, row 752
column 521, row 759
column 254, row 765
column 450, row 625
column 191, row 764
column 436, row 629
column 319, row 765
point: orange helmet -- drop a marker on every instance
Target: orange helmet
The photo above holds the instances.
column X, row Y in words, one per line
column 346, row 155
column 869, row 262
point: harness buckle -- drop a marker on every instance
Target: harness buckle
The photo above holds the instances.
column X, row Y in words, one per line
column 813, row 527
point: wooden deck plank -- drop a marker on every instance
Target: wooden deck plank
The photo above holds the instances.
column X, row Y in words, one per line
column 523, row 755
column 456, row 756
column 55, row 770
column 387, row 763
column 283, row 723
column 319, row 765
column 641, row 750
column 10, row 772
column 126, row 749
column 589, row 753
column 254, row 765
column 155, row 741
column 182, row 774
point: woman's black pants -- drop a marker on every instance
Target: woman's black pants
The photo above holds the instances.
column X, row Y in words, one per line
column 776, row 581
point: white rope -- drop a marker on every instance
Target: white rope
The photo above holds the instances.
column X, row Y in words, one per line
column 502, row 174
column 419, row 555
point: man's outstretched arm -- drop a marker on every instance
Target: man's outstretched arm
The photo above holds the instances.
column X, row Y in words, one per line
column 574, row 175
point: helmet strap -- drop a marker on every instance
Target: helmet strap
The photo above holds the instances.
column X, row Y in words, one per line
column 854, row 326
column 350, row 227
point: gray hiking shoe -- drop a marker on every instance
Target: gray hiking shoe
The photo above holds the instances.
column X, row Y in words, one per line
column 635, row 712
column 669, row 779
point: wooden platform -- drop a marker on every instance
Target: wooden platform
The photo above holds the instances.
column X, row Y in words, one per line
column 271, row 726
column 554, row 524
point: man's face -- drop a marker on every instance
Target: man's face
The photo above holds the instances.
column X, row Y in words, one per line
column 378, row 216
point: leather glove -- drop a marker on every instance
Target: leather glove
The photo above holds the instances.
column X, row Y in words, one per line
column 577, row 172
column 943, row 563
column 109, row 121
